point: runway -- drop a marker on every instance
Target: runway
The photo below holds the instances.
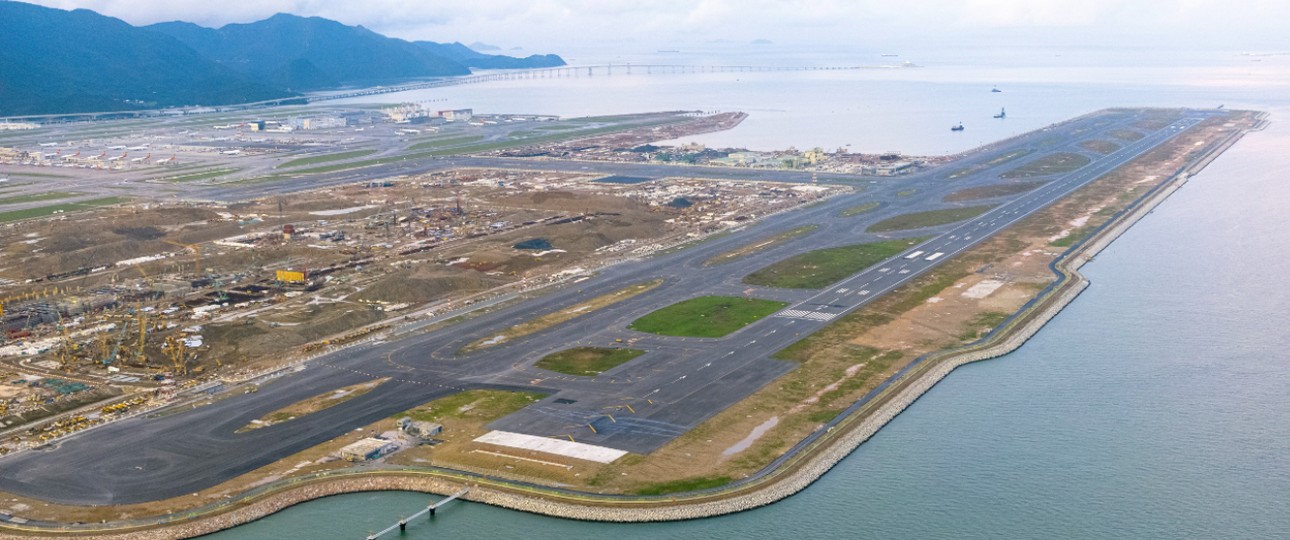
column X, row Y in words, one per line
column 677, row 384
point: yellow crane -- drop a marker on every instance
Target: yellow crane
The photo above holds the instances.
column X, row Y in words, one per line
column 140, row 357
column 177, row 351
column 67, row 353
column 197, row 255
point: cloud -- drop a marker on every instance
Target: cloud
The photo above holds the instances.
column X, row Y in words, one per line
column 556, row 25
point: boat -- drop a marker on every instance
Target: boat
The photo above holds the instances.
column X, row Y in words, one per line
column 958, row 127
column 996, row 90
column 1002, row 113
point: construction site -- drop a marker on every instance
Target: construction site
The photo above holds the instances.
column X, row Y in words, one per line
column 116, row 310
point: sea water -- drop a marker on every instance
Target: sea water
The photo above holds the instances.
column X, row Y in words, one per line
column 1157, row 405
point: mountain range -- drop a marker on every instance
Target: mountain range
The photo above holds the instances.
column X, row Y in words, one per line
column 56, row 61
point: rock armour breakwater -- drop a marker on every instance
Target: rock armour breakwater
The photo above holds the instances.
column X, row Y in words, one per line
column 809, row 463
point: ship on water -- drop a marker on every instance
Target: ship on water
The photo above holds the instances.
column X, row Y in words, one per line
column 1002, row 113
column 957, row 128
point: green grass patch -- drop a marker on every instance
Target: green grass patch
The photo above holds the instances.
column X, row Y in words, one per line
column 860, row 209
column 37, row 197
column 587, row 360
column 684, row 485
column 1053, row 164
column 906, row 193
column 442, row 142
column 43, row 211
column 930, row 218
column 822, row 267
column 990, row 192
column 706, row 316
column 324, row 158
column 483, row 405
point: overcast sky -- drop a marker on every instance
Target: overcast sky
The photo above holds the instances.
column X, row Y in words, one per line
column 564, row 26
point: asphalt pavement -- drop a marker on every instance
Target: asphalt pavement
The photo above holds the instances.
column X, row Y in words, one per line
column 672, row 388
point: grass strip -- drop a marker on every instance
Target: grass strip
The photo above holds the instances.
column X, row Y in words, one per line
column 822, row 267
column 761, row 246
column 43, row 211
column 37, row 197
column 583, row 361
column 1053, row 164
column 324, row 158
column 706, row 316
column 552, row 319
column 930, row 218
column 860, row 209
column 445, row 142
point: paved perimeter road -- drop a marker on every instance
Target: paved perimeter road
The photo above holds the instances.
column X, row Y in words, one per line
column 676, row 385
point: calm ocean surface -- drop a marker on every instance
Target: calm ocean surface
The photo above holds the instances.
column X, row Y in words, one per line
column 1155, row 406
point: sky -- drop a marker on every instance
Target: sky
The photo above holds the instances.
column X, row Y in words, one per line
column 561, row 26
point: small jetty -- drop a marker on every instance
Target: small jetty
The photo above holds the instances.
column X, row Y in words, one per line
column 402, row 525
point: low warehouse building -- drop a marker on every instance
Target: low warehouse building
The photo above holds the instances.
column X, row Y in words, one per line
column 418, row 429
column 367, row 449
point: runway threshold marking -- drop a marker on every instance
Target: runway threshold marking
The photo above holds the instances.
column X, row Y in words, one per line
column 809, row 315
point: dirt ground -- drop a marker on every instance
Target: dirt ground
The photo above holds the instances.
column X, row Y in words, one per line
column 954, row 304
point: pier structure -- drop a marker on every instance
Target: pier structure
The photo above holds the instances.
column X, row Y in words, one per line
column 402, row 525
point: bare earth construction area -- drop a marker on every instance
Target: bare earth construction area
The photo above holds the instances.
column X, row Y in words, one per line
column 612, row 379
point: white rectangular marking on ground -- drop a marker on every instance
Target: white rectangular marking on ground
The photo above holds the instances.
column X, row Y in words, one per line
column 982, row 289
column 559, row 447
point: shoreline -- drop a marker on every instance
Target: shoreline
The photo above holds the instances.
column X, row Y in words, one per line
column 795, row 470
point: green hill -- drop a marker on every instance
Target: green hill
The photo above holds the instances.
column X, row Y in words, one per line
column 56, row 61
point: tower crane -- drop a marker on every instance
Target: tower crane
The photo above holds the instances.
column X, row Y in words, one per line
column 197, row 255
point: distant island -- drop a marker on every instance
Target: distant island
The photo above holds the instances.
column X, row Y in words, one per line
column 114, row 66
